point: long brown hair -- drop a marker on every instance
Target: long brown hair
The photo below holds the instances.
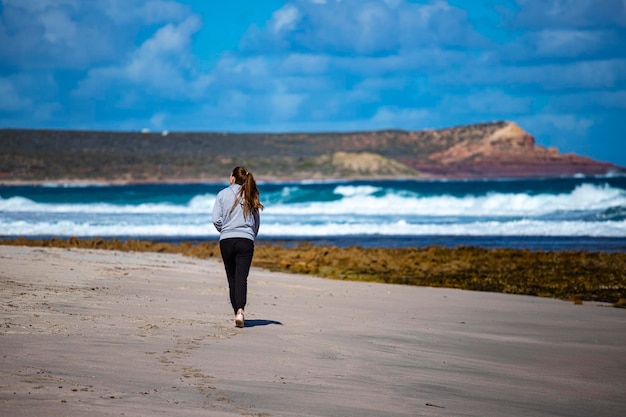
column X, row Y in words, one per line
column 249, row 193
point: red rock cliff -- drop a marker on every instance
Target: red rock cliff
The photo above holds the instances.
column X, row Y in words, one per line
column 508, row 151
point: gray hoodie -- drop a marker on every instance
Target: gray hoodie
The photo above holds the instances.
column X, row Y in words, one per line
column 232, row 223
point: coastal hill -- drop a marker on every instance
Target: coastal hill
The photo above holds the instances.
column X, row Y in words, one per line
column 487, row 150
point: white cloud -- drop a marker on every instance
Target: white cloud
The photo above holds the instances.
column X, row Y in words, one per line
column 27, row 100
column 570, row 13
column 59, row 28
column 305, row 64
column 127, row 99
column 251, row 67
column 564, row 124
column 492, row 104
column 393, row 3
column 551, row 77
column 362, row 27
column 590, row 101
column 158, row 11
column 405, row 63
column 10, row 99
column 150, row 12
column 383, row 83
column 611, row 99
column 390, row 117
column 171, row 38
column 586, row 74
column 236, row 104
column 73, row 34
column 39, row 5
column 562, row 45
column 237, row 107
column 157, row 121
column 285, row 106
column 46, row 111
column 568, row 43
column 569, row 132
column 159, row 67
column 284, row 19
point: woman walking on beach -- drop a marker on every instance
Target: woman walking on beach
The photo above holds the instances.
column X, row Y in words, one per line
column 236, row 217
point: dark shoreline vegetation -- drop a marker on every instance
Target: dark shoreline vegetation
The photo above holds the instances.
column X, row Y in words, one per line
column 572, row 275
column 499, row 149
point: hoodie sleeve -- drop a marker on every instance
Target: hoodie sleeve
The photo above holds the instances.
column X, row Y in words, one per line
column 218, row 209
column 257, row 222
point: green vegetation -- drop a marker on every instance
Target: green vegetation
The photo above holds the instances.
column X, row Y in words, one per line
column 457, row 152
column 41, row 155
column 569, row 275
column 56, row 155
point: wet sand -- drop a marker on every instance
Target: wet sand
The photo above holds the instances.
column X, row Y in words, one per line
column 106, row 333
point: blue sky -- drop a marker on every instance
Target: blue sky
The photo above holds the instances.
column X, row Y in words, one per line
column 555, row 67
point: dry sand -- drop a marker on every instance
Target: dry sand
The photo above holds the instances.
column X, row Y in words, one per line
column 104, row 333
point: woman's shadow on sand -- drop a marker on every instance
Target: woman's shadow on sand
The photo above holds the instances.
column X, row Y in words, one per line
column 258, row 322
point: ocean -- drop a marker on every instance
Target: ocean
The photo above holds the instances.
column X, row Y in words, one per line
column 539, row 214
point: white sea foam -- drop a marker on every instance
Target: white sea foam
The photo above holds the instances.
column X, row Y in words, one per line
column 70, row 228
column 361, row 200
column 489, row 228
column 400, row 228
column 356, row 190
column 198, row 204
column 338, row 210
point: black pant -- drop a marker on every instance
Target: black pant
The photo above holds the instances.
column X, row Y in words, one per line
column 237, row 256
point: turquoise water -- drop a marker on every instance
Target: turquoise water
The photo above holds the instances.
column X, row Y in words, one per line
column 545, row 213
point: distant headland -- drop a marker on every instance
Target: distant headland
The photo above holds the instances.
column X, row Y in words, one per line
column 487, row 150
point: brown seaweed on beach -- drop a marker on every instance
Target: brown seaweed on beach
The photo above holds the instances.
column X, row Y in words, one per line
column 569, row 275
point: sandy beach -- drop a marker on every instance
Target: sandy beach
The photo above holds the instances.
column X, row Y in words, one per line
column 106, row 333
